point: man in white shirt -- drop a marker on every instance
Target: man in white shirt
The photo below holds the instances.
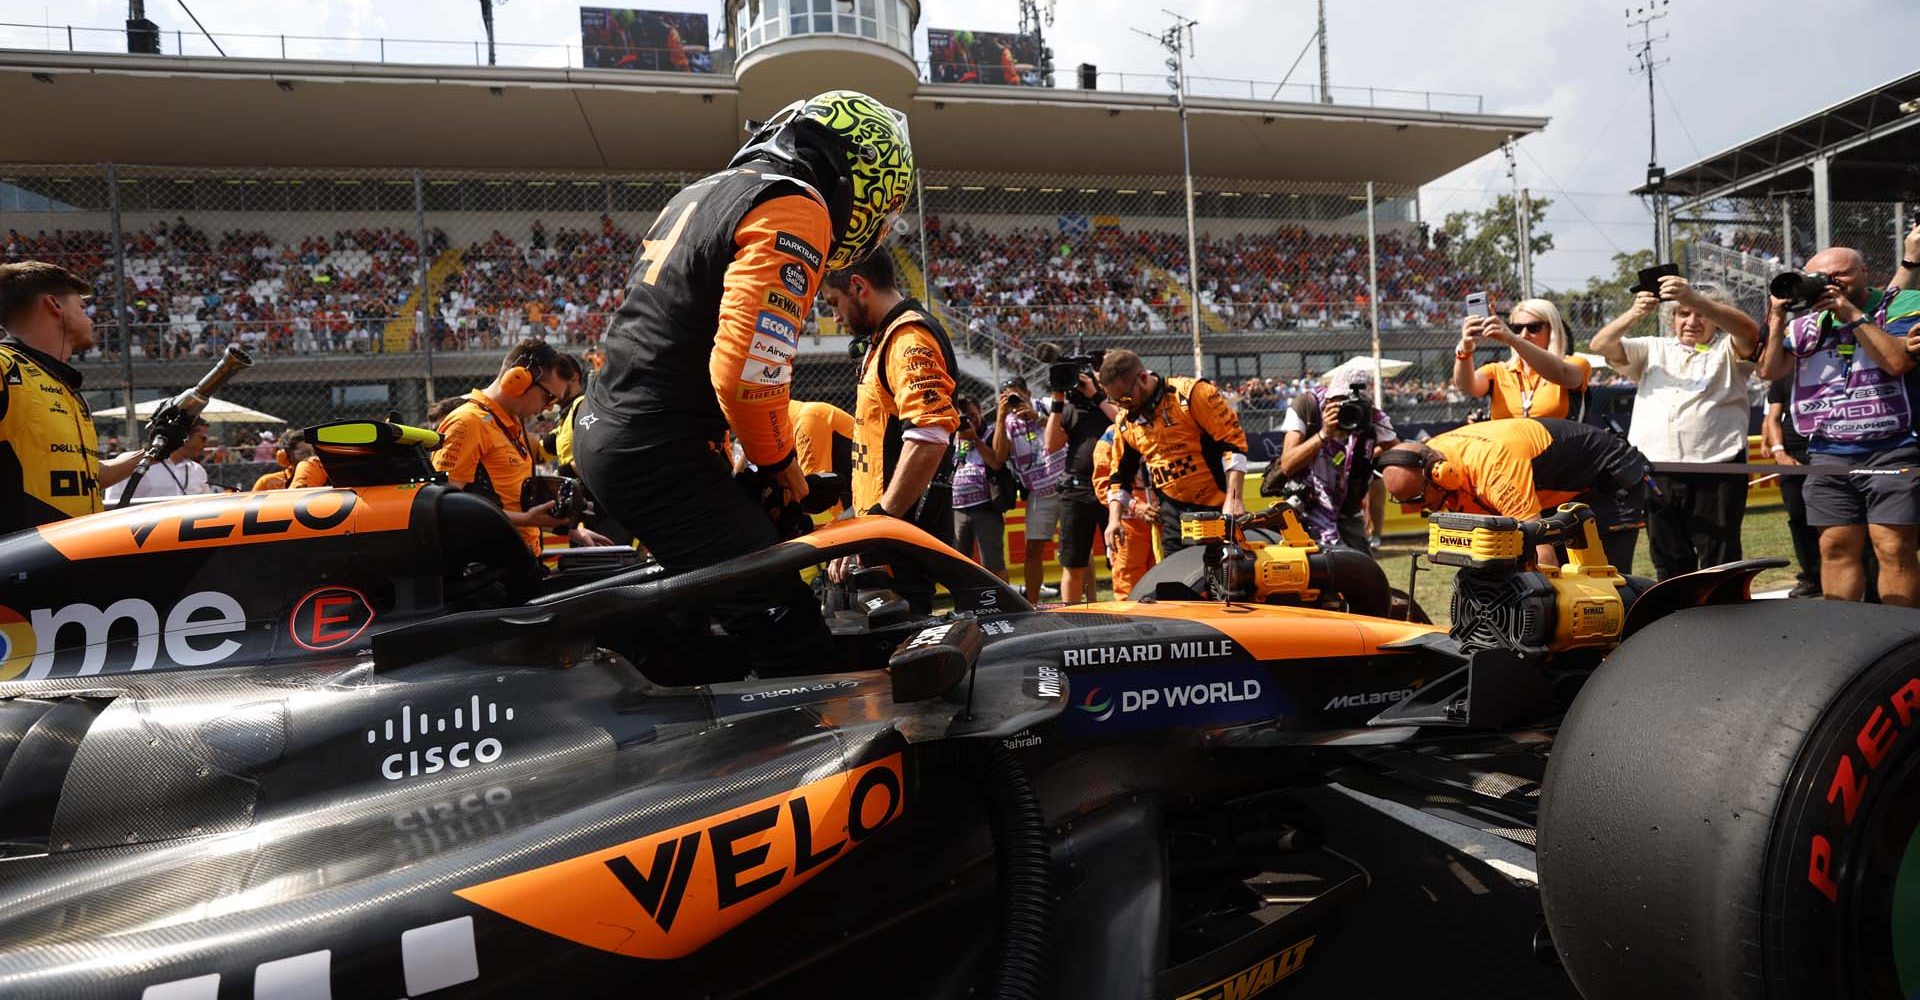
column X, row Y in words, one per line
column 180, row 474
column 1691, row 406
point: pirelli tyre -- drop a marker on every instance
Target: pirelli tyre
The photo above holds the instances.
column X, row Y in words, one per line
column 1731, row 809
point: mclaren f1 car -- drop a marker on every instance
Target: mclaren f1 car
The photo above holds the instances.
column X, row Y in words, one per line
column 352, row 742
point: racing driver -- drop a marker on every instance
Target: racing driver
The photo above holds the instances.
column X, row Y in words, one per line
column 704, row 344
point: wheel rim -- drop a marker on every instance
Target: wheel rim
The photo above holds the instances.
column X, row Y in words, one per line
column 1886, row 888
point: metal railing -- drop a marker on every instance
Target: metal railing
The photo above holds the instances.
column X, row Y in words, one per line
column 446, row 52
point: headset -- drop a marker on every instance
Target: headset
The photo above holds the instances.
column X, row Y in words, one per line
column 1422, row 457
column 521, row 377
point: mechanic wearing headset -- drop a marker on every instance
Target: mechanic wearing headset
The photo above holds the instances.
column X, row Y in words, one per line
column 903, row 416
column 1130, row 559
column 1519, row 466
column 704, row 344
column 484, row 446
column 1189, row 438
column 50, row 467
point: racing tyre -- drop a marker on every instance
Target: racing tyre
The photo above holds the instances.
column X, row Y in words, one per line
column 1731, row 807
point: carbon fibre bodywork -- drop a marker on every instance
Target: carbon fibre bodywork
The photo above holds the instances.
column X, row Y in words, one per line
column 495, row 800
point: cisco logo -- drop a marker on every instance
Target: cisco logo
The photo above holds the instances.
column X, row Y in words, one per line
column 426, row 738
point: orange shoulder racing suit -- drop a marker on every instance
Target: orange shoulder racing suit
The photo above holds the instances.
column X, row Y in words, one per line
column 704, row 343
column 1184, row 437
column 1134, row 557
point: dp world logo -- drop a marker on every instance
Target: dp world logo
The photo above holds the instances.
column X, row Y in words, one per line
column 1093, row 704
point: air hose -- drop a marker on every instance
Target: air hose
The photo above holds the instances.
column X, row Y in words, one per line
column 1022, row 870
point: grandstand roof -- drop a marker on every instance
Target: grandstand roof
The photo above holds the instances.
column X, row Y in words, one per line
column 92, row 107
column 1870, row 142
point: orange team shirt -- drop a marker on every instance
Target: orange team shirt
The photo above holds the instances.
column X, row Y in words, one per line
column 1490, row 466
column 309, row 473
column 1512, row 390
column 815, row 425
column 476, row 437
column 922, row 397
column 751, row 367
column 273, row 481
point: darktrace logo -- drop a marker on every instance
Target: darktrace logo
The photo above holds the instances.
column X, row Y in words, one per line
column 1097, row 705
column 794, row 277
column 794, row 246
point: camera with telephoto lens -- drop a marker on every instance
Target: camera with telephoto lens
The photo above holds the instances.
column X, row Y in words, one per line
column 569, row 499
column 1064, row 375
column 1356, row 411
column 1800, row 289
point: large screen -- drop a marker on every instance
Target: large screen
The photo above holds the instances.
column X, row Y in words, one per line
column 984, row 57
column 665, row 40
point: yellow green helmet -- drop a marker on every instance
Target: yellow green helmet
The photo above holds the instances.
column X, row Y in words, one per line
column 862, row 147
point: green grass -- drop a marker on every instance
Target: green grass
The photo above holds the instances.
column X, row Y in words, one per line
column 1763, row 533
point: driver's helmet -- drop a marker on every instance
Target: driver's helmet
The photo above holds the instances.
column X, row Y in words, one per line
column 862, row 144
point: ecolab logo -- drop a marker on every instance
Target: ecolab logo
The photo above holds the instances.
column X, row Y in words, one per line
column 435, row 753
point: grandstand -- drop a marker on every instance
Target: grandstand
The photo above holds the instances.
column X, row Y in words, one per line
column 366, row 230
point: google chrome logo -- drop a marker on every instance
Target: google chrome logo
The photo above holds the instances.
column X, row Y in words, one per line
column 16, row 644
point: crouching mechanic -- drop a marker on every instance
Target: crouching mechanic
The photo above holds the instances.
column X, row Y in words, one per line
column 1186, row 435
column 1520, row 466
column 704, row 344
column 484, row 445
column 903, row 416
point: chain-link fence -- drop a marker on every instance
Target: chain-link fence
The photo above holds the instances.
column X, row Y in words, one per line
column 1742, row 243
column 362, row 292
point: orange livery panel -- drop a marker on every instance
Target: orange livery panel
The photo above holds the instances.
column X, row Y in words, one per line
column 223, row 519
column 669, row 893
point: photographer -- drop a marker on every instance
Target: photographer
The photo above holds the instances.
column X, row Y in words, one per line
column 1691, row 406
column 1186, row 435
column 1333, row 434
column 1077, row 417
column 1851, row 397
column 1020, row 441
column 978, row 517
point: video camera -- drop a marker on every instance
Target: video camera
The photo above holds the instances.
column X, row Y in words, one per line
column 1064, row 375
column 1800, row 289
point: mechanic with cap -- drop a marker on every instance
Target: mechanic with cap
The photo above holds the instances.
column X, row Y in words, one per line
column 704, row 344
column 1186, row 435
column 903, row 416
column 484, row 445
column 1518, row 467
column 50, row 466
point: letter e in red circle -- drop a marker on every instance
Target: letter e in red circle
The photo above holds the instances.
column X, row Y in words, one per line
column 329, row 617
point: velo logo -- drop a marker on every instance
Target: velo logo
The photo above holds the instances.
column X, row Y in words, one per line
column 463, row 727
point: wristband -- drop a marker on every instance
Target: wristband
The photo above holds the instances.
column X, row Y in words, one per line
column 1462, row 355
column 879, row 508
column 1778, row 449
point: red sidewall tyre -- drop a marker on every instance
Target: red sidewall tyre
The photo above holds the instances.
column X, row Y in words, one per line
column 1728, row 804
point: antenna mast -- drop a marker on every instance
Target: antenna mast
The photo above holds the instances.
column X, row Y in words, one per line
column 1642, row 17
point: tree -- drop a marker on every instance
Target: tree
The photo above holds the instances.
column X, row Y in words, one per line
column 1485, row 244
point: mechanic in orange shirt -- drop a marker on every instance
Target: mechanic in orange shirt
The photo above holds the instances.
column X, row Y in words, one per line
column 293, row 449
column 823, row 442
column 1188, row 438
column 1130, row 560
column 485, row 447
column 903, row 416
column 1520, row 466
column 704, row 343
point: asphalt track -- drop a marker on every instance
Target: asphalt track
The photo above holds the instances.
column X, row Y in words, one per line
column 1440, row 919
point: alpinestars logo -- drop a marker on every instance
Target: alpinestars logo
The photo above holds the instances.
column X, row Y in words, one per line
column 1101, row 708
column 434, row 752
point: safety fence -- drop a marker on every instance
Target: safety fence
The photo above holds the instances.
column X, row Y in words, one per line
column 367, row 291
column 1741, row 243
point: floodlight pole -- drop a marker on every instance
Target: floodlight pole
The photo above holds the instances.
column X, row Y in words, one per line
column 1643, row 18
column 1178, row 40
column 1373, row 299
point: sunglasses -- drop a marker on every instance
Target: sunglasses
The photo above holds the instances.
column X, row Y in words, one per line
column 1537, row 326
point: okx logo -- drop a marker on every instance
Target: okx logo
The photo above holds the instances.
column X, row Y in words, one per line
column 457, row 739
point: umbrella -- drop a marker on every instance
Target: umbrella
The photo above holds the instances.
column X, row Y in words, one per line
column 218, row 411
column 1389, row 367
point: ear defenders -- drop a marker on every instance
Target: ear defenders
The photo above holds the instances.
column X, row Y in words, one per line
column 283, row 458
column 518, row 379
column 1427, row 460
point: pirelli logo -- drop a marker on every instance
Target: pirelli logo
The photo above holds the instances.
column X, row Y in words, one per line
column 1256, row 978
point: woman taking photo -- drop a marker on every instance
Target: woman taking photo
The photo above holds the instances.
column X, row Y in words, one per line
column 1538, row 379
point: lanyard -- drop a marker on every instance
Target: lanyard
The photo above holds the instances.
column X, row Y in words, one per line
column 178, row 483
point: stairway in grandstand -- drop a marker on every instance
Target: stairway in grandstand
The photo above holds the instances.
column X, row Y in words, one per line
column 398, row 335
column 915, row 280
column 1210, row 321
